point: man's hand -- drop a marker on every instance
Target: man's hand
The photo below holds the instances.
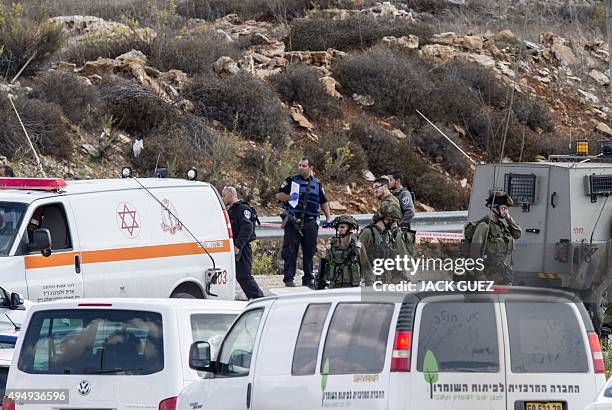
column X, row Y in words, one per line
column 236, row 250
column 327, row 224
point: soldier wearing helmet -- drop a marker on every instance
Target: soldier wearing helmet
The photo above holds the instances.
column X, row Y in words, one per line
column 382, row 239
column 345, row 258
column 492, row 237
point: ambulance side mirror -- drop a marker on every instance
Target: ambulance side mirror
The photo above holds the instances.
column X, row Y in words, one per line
column 41, row 241
column 199, row 357
column 17, row 300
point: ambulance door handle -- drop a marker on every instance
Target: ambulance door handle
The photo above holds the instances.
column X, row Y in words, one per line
column 248, row 396
column 77, row 263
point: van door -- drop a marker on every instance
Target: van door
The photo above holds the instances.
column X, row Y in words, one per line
column 457, row 360
column 231, row 388
column 549, row 360
column 57, row 276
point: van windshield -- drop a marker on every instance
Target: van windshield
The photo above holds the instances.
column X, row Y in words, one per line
column 124, row 342
column 11, row 214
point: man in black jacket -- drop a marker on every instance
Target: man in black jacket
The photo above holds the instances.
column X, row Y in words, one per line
column 243, row 231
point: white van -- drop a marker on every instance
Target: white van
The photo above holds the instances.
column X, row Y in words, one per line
column 112, row 353
column 514, row 348
column 114, row 238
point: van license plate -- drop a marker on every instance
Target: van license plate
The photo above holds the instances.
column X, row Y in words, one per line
column 538, row 405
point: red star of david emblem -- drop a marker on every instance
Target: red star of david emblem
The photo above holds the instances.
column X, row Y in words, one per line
column 125, row 216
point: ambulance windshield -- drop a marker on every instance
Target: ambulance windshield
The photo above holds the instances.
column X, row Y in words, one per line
column 11, row 214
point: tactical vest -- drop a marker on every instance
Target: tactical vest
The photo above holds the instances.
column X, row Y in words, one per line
column 312, row 202
column 384, row 243
column 343, row 264
column 499, row 239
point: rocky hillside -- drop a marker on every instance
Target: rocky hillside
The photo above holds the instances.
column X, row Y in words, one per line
column 242, row 89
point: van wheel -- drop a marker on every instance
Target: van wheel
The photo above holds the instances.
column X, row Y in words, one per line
column 187, row 291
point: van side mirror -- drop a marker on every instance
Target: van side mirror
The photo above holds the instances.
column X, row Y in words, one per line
column 199, row 357
column 17, row 300
column 41, row 241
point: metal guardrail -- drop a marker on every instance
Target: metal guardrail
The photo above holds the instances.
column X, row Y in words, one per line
column 447, row 221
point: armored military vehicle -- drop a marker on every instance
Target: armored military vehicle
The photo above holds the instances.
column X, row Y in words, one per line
column 562, row 206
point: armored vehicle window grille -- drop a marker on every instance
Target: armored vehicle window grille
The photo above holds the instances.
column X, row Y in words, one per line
column 521, row 187
column 600, row 184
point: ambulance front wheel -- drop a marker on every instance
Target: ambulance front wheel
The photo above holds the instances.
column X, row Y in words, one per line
column 187, row 291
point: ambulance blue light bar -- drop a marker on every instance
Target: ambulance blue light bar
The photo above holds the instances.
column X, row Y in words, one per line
column 36, row 184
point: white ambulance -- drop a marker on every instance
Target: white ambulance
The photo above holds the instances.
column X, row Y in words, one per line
column 513, row 348
column 153, row 237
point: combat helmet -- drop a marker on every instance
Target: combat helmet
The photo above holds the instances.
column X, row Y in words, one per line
column 345, row 219
column 497, row 198
column 388, row 211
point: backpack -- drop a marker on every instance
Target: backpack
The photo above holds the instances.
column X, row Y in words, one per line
column 468, row 233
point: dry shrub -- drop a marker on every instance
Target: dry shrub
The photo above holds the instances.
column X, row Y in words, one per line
column 360, row 30
column 300, row 84
column 44, row 124
column 81, row 103
column 242, row 103
column 24, row 38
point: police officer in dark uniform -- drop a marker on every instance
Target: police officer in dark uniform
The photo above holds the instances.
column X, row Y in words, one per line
column 302, row 195
column 243, row 231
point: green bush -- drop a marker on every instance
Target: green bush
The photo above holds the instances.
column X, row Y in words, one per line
column 136, row 109
column 447, row 195
column 81, row 103
column 338, row 158
column 193, row 54
column 533, row 113
column 23, row 38
column 44, row 124
column 300, row 84
column 399, row 83
column 113, row 47
column 281, row 10
column 439, row 149
column 385, row 153
column 360, row 30
column 243, row 103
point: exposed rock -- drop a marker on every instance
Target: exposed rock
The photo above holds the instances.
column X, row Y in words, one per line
column 601, row 127
column 399, row 134
column 297, row 113
column 133, row 57
column 564, row 54
column 544, row 80
column 421, row 207
column 473, row 42
column 64, row 66
column 263, row 74
column 364, row 100
column 260, row 59
column 321, row 58
column 386, row 9
column 410, row 42
column 464, row 183
column 437, row 51
column 101, row 67
column 280, row 62
column 482, row 59
column 504, row 68
column 91, row 150
column 505, row 36
column 588, row 96
column 447, row 39
column 225, row 64
column 185, row 106
column 177, row 78
column 81, row 28
column 336, row 206
column 600, row 77
column 330, row 84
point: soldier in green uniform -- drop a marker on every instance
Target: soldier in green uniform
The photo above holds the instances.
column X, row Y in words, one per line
column 345, row 258
column 381, row 191
column 382, row 239
column 492, row 237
